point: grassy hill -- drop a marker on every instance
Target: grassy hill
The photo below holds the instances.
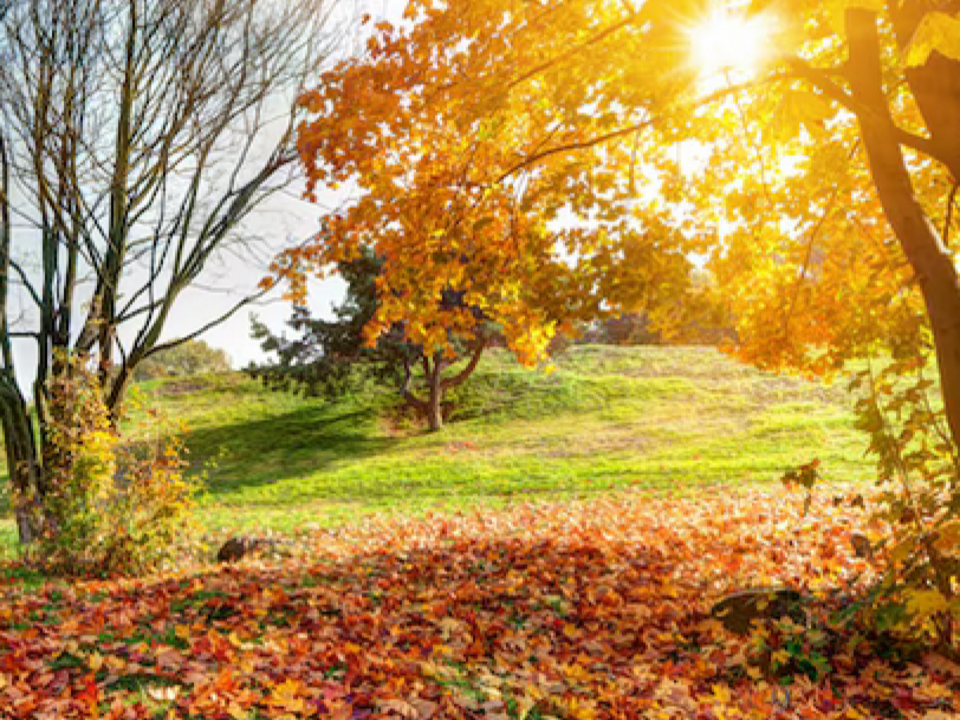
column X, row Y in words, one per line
column 606, row 418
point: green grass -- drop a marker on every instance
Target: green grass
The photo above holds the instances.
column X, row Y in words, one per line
column 606, row 418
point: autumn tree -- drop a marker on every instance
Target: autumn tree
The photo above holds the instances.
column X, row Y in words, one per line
column 135, row 139
column 323, row 355
column 468, row 237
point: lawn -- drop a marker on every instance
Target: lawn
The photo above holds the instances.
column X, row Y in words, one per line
column 666, row 418
column 605, row 418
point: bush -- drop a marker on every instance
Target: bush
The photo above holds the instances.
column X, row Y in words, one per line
column 109, row 508
column 902, row 412
column 193, row 357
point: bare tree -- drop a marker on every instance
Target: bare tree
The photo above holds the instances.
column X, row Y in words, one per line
column 135, row 138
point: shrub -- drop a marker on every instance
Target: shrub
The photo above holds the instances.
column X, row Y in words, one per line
column 110, row 508
column 193, row 357
column 920, row 467
column 918, row 593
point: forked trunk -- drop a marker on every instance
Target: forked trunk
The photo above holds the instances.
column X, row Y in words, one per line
column 432, row 406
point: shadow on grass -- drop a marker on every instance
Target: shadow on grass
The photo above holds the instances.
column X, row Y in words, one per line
column 266, row 451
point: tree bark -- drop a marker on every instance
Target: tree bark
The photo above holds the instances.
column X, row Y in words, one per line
column 919, row 238
column 935, row 84
column 435, row 397
column 23, row 464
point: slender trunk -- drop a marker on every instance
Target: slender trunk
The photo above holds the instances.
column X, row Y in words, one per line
column 921, row 241
column 23, row 463
column 434, row 407
column 116, row 392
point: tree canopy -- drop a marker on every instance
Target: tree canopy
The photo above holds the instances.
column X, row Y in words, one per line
column 447, row 200
column 193, row 357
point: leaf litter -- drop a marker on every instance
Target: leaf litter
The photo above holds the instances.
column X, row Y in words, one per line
column 584, row 609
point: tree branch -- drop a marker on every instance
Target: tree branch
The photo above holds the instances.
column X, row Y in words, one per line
column 408, row 396
column 462, row 376
column 730, row 90
column 821, row 80
column 250, row 299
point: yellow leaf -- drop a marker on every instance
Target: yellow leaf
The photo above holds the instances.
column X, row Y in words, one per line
column 287, row 696
column 923, row 603
column 524, row 705
column 95, row 661
column 903, row 549
column 780, row 656
column 722, row 694
column 948, row 536
column 939, row 32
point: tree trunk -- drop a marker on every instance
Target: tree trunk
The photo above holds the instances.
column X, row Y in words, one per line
column 921, row 241
column 26, row 472
column 434, row 408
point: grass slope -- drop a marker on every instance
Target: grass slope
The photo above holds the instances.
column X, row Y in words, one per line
column 606, row 418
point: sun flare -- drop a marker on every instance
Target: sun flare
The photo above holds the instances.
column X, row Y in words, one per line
column 729, row 42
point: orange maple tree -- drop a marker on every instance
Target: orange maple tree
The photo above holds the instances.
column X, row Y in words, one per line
column 445, row 199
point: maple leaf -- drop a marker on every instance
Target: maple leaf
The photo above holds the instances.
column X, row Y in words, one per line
column 90, row 695
column 634, row 576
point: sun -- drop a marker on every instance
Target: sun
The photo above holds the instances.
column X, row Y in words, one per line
column 728, row 42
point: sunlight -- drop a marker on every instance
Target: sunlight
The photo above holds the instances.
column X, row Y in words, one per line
column 728, row 42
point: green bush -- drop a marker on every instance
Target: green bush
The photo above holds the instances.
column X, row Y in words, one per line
column 193, row 357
